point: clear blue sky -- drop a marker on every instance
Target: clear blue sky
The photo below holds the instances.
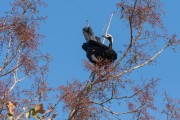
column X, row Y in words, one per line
column 63, row 31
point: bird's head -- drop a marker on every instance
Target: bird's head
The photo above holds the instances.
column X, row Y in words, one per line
column 108, row 37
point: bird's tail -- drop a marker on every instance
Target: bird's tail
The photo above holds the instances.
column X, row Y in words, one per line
column 88, row 33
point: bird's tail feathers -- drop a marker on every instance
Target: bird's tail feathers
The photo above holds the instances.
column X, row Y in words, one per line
column 88, row 33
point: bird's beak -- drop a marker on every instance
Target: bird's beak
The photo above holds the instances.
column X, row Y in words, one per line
column 85, row 29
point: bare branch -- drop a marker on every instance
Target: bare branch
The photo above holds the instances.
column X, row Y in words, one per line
column 131, row 96
column 10, row 71
column 143, row 64
column 118, row 113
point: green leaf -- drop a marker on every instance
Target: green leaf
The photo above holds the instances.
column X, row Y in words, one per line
column 89, row 87
column 34, row 113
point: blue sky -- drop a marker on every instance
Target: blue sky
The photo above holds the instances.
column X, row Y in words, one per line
column 63, row 31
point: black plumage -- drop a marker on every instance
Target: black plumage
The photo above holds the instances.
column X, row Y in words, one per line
column 97, row 52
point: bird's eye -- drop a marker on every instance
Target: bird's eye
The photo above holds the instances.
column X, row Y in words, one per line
column 108, row 35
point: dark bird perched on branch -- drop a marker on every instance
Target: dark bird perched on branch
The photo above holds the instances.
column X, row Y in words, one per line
column 97, row 52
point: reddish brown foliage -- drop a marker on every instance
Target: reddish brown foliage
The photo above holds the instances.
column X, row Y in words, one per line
column 26, row 34
column 172, row 108
column 76, row 99
column 141, row 12
column 21, row 59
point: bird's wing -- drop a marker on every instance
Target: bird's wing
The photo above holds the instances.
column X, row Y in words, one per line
column 96, row 44
column 85, row 46
column 94, row 58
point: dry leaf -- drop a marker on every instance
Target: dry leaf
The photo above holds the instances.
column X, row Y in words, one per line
column 54, row 115
column 41, row 111
column 10, row 106
column 39, row 108
column 27, row 115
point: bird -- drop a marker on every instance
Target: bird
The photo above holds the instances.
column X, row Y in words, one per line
column 98, row 53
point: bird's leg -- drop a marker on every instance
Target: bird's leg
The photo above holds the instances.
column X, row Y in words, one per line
column 92, row 76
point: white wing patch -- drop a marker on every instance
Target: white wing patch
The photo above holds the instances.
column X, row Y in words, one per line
column 96, row 59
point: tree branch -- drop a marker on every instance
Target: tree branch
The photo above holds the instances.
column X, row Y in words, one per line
column 118, row 113
column 143, row 64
